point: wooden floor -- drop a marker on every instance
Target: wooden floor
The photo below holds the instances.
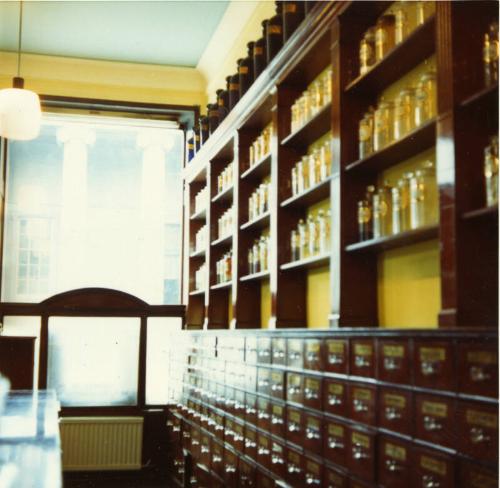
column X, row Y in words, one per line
column 109, row 480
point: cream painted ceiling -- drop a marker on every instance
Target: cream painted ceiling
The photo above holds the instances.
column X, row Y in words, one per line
column 162, row 32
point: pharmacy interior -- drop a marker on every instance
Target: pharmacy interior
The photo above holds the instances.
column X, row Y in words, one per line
column 341, row 255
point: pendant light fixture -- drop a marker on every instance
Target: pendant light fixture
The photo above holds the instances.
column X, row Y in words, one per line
column 20, row 111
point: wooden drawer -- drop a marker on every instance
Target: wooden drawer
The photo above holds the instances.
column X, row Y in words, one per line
column 361, row 454
column 250, row 442
column 173, row 427
column 295, row 353
column 278, row 384
column 220, row 396
column 336, row 355
column 231, row 474
column 186, row 436
column 239, row 404
column 334, row 478
column 264, row 450
column 313, row 471
column 433, row 468
column 295, row 387
column 434, row 364
column 362, row 403
column 336, row 442
column 229, row 400
column 362, row 358
column 217, row 463
column 478, row 430
column 229, row 431
column 250, row 378
column 313, row 428
column 264, row 381
column 278, row 347
column 205, row 457
column 435, row 419
column 264, row 480
column 251, row 408
column 248, row 474
column 478, row 368
column 251, row 350
column 278, row 426
column 313, row 357
column 264, row 350
column 312, row 392
column 294, row 466
column 239, row 436
column 278, row 459
column 394, row 361
column 394, row 462
column 335, row 397
column 219, row 425
column 263, row 413
column 195, row 442
column 395, row 410
column 294, row 425
column 475, row 476
column 356, row 483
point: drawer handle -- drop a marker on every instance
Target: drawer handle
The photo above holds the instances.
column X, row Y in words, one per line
column 391, row 364
column 278, row 354
column 186, row 435
column 193, row 480
column 264, row 383
column 358, row 452
column 277, row 460
column 360, row 406
column 293, row 427
column 264, row 353
column 238, row 406
column 293, row 468
column 361, row 362
column 195, row 442
column 263, row 415
column 392, row 413
column 293, row 390
column 311, row 394
column 250, row 444
column 335, row 359
column 181, row 470
column 334, row 400
column 176, row 428
column 335, row 443
column 477, row 374
column 262, row 451
column 277, row 387
column 250, row 411
column 431, row 424
column 392, row 465
column 205, row 449
column 293, row 355
column 216, row 459
column 478, row 435
column 275, row 420
column 312, row 434
column 237, row 437
column 429, row 368
column 429, row 481
column 311, row 480
column 230, row 469
column 312, row 357
column 178, row 462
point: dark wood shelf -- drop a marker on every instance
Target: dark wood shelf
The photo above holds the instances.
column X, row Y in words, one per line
column 198, row 254
column 482, row 213
column 312, row 195
column 262, row 275
column 201, row 215
column 312, row 130
column 222, row 240
column 259, row 169
column 485, row 96
column 221, row 286
column 224, row 196
column 260, row 222
column 415, row 142
column 395, row 241
column 196, row 292
column 308, row 263
column 417, row 47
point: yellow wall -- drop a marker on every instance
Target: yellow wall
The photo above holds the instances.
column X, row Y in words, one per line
column 265, row 304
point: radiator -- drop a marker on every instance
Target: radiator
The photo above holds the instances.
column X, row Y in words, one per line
column 101, row 443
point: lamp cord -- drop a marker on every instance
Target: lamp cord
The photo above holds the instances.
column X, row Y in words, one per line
column 19, row 40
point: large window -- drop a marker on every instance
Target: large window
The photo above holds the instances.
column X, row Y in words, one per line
column 94, row 202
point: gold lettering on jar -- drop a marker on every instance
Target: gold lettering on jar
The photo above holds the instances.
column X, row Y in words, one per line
column 433, row 465
column 243, row 70
column 258, row 50
column 483, row 419
column 234, row 86
column 290, row 8
column 274, row 29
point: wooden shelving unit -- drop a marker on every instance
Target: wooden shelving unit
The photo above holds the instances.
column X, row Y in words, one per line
column 308, row 263
column 262, row 275
column 312, row 195
column 259, row 169
column 482, row 213
column 312, row 130
column 261, row 222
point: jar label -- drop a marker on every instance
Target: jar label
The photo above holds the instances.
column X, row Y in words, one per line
column 395, row 452
column 433, row 465
column 274, row 29
column 483, row 419
column 258, row 50
column 234, row 86
column 290, row 8
column 243, row 70
column 365, row 132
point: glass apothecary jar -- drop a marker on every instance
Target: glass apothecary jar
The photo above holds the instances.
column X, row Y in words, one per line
column 383, row 125
column 423, row 197
column 367, row 51
column 384, row 36
column 364, row 220
column 404, row 113
column 382, row 212
column 426, row 106
column 491, row 172
column 366, row 135
column 425, row 9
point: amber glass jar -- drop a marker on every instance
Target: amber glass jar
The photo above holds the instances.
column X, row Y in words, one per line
column 234, row 90
column 203, row 130
column 243, row 76
column 259, row 52
column 213, row 117
column 196, row 132
column 383, row 125
column 222, row 103
column 364, row 220
column 404, row 113
column 293, row 13
column 274, row 34
column 384, row 36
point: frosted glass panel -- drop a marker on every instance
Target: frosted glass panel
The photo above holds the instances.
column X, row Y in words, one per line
column 160, row 335
column 94, row 202
column 93, row 361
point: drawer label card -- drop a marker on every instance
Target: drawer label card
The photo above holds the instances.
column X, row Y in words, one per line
column 335, row 478
column 294, row 379
column 484, row 419
column 250, row 434
column 335, row 347
column 363, row 349
column 294, row 457
column 392, row 400
column 313, row 467
column 277, row 377
column 433, row 465
column 432, row 354
column 312, row 384
column 336, row 388
column 362, row 394
column 311, row 422
column 395, row 452
column 263, row 441
column 480, row 480
column 294, row 417
column 277, row 448
column 336, row 430
column 263, row 404
column 361, row 440
column 394, row 351
column 435, row 409
column 313, row 346
column 482, row 357
column 278, row 410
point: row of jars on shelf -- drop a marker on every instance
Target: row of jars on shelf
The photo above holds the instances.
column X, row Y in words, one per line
column 258, row 255
column 275, row 32
column 225, row 223
column 258, row 202
column 317, row 96
column 312, row 237
column 491, row 171
column 261, row 147
column 200, row 277
column 201, row 200
column 410, row 204
column 224, row 268
column 490, row 54
column 391, row 121
column 312, row 169
column 391, row 29
column 225, row 179
column 200, row 239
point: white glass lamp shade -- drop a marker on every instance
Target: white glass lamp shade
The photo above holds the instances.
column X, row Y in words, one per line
column 20, row 114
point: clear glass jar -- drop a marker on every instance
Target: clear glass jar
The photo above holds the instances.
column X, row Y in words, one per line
column 364, row 220
column 402, row 27
column 327, row 86
column 294, row 117
column 425, row 108
column 263, row 198
column 313, row 241
column 366, row 135
column 367, row 51
column 295, row 181
column 494, row 51
column 425, row 9
column 383, row 125
column 400, row 206
column 317, row 95
column 382, row 212
column 322, row 229
column 294, row 245
column 300, row 177
column 325, row 156
column 384, row 36
column 256, row 257
column 303, row 239
column 251, row 155
column 404, row 113
column 306, row 102
column 311, row 169
column 423, row 197
column 491, row 176
column 305, row 171
column 263, row 253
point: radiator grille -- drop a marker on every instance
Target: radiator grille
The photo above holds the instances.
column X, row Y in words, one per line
column 101, row 443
